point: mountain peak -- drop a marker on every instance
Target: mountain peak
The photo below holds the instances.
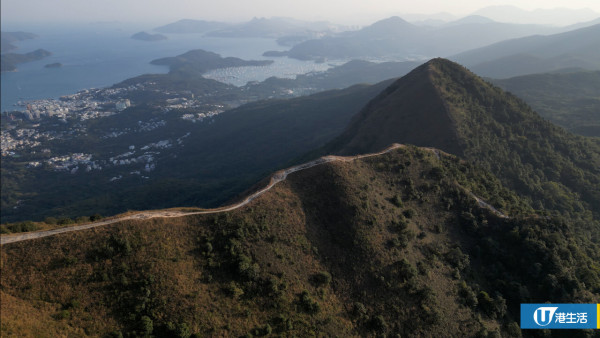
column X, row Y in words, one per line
column 394, row 20
column 390, row 26
column 411, row 110
column 436, row 63
column 443, row 105
column 439, row 104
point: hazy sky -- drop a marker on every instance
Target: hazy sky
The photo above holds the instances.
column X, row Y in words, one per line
column 164, row 11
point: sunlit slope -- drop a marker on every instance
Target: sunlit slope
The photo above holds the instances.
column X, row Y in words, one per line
column 393, row 244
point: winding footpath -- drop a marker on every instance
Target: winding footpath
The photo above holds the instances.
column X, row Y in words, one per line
column 277, row 177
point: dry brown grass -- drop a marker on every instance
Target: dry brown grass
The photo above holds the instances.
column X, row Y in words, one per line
column 333, row 218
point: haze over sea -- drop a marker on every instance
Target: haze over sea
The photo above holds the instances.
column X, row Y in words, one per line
column 100, row 55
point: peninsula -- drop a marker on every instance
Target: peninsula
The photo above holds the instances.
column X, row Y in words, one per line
column 9, row 61
column 8, row 38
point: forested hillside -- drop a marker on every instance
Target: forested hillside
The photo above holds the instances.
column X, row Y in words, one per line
column 571, row 100
column 395, row 244
column 443, row 105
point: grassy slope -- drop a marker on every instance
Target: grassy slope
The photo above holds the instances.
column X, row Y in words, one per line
column 504, row 135
column 398, row 234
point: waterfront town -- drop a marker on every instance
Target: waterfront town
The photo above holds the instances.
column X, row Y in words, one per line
column 41, row 121
column 43, row 135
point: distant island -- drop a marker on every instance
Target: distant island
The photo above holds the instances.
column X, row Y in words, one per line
column 202, row 61
column 288, row 31
column 54, row 65
column 188, row 26
column 291, row 31
column 143, row 36
column 9, row 61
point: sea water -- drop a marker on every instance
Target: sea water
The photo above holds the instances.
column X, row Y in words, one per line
column 100, row 55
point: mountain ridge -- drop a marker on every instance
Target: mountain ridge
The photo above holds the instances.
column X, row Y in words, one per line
column 272, row 180
column 414, row 90
column 253, row 193
column 460, row 113
column 388, row 244
column 396, row 38
column 535, row 54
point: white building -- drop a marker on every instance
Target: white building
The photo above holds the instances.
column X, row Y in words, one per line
column 121, row 105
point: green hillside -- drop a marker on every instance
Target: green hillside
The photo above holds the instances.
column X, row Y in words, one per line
column 389, row 245
column 441, row 104
column 571, row 100
column 216, row 161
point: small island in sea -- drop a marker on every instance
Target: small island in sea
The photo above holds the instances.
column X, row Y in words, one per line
column 187, row 26
column 54, row 65
column 203, row 61
column 9, row 61
column 143, row 36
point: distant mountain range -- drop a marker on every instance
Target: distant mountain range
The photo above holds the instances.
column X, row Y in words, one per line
column 276, row 28
column 555, row 16
column 397, row 38
column 577, row 49
column 436, row 19
column 286, row 28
